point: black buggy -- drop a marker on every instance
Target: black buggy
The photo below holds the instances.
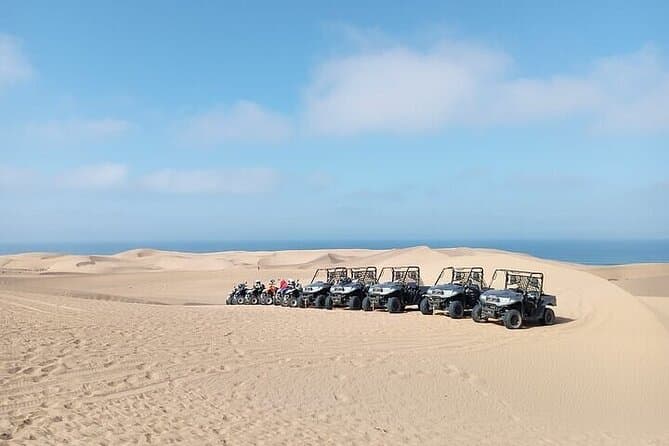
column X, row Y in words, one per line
column 350, row 291
column 403, row 288
column 455, row 291
column 315, row 294
column 521, row 300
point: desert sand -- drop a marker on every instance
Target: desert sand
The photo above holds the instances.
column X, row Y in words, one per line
column 138, row 348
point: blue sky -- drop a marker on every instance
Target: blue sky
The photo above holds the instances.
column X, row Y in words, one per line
column 191, row 121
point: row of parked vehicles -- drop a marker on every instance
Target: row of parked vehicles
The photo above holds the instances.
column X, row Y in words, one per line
column 513, row 297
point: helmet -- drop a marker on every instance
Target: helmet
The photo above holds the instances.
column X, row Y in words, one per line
column 257, row 283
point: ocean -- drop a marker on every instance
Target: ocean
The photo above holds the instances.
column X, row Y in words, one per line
column 592, row 252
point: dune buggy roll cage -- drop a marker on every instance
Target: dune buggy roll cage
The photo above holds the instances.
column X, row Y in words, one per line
column 365, row 274
column 527, row 281
column 402, row 274
column 332, row 275
column 465, row 276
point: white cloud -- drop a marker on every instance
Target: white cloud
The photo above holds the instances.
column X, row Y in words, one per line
column 91, row 177
column 243, row 122
column 16, row 178
column 101, row 176
column 226, row 182
column 70, row 131
column 398, row 89
column 14, row 66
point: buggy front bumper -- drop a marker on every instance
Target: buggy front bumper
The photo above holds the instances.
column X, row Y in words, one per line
column 492, row 311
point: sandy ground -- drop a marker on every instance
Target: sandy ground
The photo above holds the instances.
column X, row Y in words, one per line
column 91, row 354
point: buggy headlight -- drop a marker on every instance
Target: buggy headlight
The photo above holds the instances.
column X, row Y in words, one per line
column 504, row 300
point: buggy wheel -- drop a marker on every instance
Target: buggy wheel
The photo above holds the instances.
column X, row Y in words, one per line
column 228, row 301
column 269, row 299
column 513, row 319
column 366, row 304
column 292, row 302
column 328, row 303
column 319, row 302
column 277, row 299
column 549, row 317
column 355, row 303
column 254, row 300
column 394, row 305
column 240, row 300
column 300, row 302
column 425, row 307
column 477, row 313
column 456, row 310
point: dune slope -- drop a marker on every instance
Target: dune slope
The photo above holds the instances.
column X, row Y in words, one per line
column 102, row 350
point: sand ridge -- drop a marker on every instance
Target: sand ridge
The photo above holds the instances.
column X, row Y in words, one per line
column 110, row 350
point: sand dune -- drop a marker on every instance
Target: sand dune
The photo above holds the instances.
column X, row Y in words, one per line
column 88, row 357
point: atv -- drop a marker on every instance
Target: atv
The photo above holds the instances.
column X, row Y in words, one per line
column 290, row 296
column 269, row 294
column 350, row 291
column 315, row 294
column 238, row 295
column 521, row 300
column 404, row 288
column 460, row 293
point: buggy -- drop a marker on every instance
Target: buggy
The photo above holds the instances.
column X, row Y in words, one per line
column 404, row 288
column 318, row 289
column 460, row 293
column 350, row 291
column 521, row 300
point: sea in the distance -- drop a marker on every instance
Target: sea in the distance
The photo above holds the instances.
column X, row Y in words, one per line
column 593, row 252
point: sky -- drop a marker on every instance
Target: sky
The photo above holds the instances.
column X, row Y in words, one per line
column 132, row 121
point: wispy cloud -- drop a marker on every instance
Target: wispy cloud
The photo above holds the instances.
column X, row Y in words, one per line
column 394, row 88
column 69, row 131
column 243, row 122
column 100, row 176
column 114, row 176
column 210, row 181
column 14, row 65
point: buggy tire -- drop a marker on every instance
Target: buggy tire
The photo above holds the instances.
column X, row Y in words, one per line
column 456, row 310
column 293, row 301
column 240, row 300
column 228, row 301
column 425, row 307
column 549, row 317
column 513, row 320
column 394, row 305
column 328, row 303
column 477, row 314
column 301, row 302
column 355, row 303
column 366, row 304
column 269, row 299
column 319, row 302
column 277, row 299
column 254, row 300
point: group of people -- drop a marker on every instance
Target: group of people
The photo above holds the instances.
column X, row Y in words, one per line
column 273, row 289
